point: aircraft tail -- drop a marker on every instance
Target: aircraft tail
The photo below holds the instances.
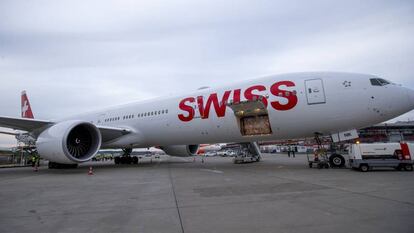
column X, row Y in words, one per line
column 26, row 109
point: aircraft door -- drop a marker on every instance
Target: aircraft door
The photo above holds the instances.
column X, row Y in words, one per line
column 101, row 119
column 315, row 92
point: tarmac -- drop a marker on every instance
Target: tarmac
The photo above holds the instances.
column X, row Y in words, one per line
column 278, row 194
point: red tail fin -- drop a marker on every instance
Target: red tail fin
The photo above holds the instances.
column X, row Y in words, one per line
column 26, row 109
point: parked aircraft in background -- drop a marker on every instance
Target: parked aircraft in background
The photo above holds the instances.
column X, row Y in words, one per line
column 204, row 148
column 26, row 112
column 271, row 108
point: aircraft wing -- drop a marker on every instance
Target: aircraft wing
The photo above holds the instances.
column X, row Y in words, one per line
column 111, row 133
column 23, row 123
column 108, row 133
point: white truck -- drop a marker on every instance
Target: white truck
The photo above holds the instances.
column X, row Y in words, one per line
column 367, row 156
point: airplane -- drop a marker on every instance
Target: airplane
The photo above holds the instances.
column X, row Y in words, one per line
column 204, row 148
column 286, row 106
column 26, row 112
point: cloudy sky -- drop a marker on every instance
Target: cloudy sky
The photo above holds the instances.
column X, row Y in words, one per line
column 79, row 55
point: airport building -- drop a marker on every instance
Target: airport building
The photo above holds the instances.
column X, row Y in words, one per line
column 388, row 132
column 15, row 157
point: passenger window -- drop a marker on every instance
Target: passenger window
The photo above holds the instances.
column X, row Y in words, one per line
column 166, row 111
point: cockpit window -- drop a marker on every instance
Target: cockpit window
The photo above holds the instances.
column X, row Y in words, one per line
column 375, row 82
column 383, row 81
column 379, row 82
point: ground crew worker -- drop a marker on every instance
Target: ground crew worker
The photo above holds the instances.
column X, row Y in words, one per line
column 316, row 155
column 37, row 160
column 33, row 159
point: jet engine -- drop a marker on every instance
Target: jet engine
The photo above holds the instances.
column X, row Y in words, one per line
column 69, row 142
column 181, row 150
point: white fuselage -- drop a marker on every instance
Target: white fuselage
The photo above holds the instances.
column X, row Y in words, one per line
column 298, row 105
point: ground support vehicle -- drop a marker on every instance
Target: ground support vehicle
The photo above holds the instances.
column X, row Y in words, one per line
column 320, row 159
column 365, row 157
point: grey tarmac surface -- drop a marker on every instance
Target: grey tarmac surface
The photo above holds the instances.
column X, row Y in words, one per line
column 279, row 194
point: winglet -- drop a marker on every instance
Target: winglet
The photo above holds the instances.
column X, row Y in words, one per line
column 26, row 109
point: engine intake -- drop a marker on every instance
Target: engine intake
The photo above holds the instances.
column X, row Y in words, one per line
column 69, row 142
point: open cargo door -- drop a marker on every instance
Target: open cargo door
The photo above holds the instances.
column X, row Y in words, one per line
column 252, row 117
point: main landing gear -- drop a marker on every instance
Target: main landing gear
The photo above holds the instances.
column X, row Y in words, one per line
column 53, row 165
column 126, row 158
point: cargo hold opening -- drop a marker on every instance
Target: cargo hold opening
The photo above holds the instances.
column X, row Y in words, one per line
column 252, row 118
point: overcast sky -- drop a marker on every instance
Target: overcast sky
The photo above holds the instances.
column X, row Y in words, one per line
column 78, row 55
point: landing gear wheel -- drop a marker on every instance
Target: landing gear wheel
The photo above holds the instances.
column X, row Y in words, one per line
column 128, row 160
column 135, row 160
column 51, row 165
column 408, row 167
column 336, row 160
column 117, row 160
column 364, row 168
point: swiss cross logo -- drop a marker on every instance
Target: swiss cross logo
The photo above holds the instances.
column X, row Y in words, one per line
column 25, row 108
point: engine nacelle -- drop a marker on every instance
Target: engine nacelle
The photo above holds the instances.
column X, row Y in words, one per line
column 69, row 142
column 181, row 150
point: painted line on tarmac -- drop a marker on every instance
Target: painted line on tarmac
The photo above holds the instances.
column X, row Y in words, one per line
column 212, row 170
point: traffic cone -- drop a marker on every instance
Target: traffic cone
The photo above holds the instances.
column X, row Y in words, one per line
column 90, row 172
